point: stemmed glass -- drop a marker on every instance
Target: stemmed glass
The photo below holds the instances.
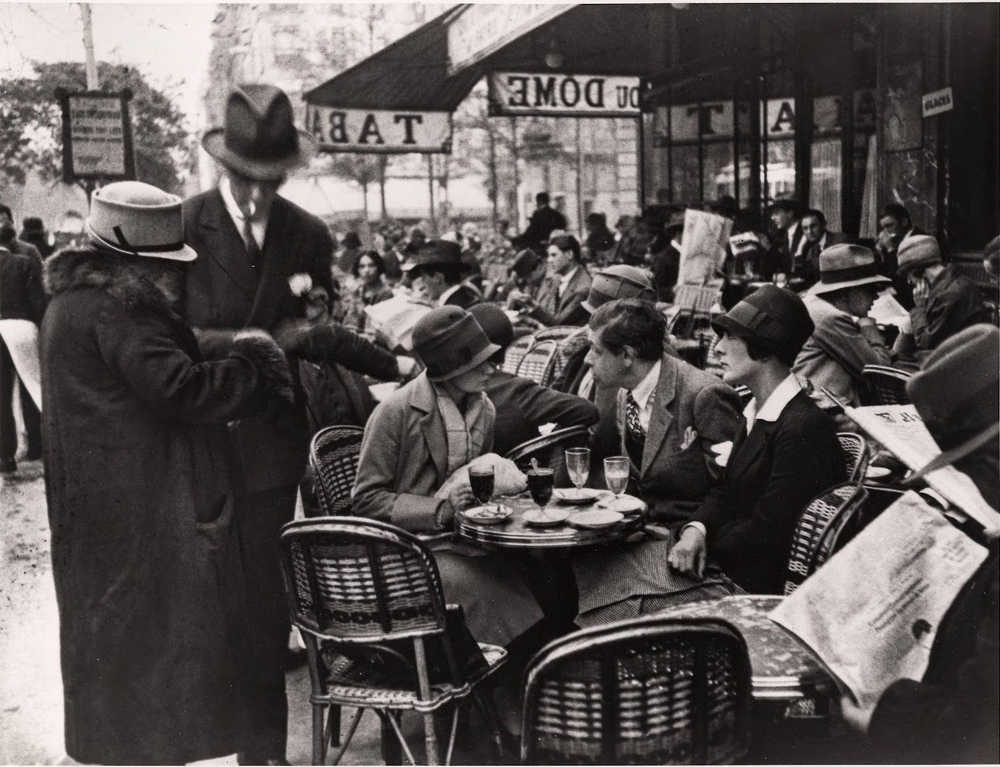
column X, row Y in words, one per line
column 578, row 466
column 616, row 475
column 481, row 483
column 540, row 487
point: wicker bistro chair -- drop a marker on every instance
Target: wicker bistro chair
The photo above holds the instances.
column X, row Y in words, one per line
column 884, row 385
column 821, row 529
column 353, row 586
column 548, row 449
column 651, row 690
column 333, row 456
column 556, row 333
column 854, row 449
column 539, row 364
column 515, row 352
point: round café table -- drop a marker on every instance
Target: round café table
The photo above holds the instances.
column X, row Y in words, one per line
column 783, row 670
column 513, row 533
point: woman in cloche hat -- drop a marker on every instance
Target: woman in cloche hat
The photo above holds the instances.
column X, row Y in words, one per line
column 416, row 439
column 138, row 490
column 785, row 451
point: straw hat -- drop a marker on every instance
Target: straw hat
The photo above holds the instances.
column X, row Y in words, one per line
column 846, row 266
column 449, row 341
column 137, row 219
column 258, row 138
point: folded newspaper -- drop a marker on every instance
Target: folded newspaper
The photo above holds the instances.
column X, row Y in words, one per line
column 901, row 430
column 21, row 340
column 871, row 613
column 394, row 318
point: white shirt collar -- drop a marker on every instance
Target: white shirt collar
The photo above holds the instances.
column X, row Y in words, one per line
column 676, row 244
column 564, row 280
column 443, row 298
column 646, row 386
column 258, row 226
column 773, row 405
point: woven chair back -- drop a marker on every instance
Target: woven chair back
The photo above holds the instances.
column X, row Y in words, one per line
column 652, row 690
column 555, row 333
column 540, row 362
column 836, row 509
column 884, row 385
column 359, row 580
column 333, row 455
column 548, row 449
column 515, row 352
column 854, row 451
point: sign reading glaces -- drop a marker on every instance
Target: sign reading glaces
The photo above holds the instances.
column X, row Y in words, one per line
column 97, row 135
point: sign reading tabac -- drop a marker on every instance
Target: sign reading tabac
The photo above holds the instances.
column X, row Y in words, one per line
column 97, row 135
column 548, row 93
column 386, row 131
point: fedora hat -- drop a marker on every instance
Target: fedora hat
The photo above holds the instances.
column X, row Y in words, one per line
column 525, row 263
column 916, row 251
column 774, row 318
column 137, row 219
column 258, row 138
column 619, row 281
column 443, row 253
column 846, row 266
column 450, row 341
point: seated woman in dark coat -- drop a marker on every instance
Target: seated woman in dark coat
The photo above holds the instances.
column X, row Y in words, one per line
column 785, row 451
column 521, row 404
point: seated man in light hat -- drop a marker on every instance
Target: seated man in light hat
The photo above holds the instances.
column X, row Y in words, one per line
column 845, row 338
column 951, row 714
column 946, row 301
column 415, row 440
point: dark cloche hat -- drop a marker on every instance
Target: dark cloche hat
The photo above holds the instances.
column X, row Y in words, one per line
column 436, row 253
column 258, row 138
column 772, row 317
column 449, row 341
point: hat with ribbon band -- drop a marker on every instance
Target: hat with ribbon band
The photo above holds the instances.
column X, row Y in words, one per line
column 137, row 219
column 619, row 281
column 449, row 341
column 844, row 266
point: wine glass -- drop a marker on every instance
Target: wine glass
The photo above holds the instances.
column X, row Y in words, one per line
column 481, row 483
column 540, row 486
column 578, row 466
column 616, row 475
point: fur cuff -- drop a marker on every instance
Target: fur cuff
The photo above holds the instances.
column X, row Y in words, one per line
column 272, row 367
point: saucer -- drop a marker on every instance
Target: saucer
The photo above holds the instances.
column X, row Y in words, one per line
column 490, row 514
column 597, row 519
column 548, row 518
column 625, row 504
column 581, row 496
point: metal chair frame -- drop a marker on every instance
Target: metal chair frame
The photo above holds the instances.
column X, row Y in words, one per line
column 539, row 364
column 818, row 530
column 354, row 585
column 545, row 446
column 856, row 455
column 884, row 385
column 335, row 472
column 650, row 690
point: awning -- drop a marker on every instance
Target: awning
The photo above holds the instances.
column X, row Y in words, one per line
column 399, row 99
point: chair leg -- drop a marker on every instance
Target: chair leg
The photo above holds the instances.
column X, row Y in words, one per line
column 423, row 680
column 492, row 720
column 391, row 747
column 319, row 741
column 333, row 724
column 351, row 729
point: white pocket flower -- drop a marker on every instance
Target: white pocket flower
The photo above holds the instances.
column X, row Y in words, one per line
column 300, row 284
column 722, row 451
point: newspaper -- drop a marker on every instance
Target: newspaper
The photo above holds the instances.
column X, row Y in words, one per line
column 871, row 613
column 901, row 431
column 21, row 339
column 703, row 246
column 886, row 310
column 394, row 318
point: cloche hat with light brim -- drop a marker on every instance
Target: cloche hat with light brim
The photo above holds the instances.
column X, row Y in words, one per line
column 844, row 266
column 619, row 281
column 450, row 341
column 258, row 138
column 137, row 219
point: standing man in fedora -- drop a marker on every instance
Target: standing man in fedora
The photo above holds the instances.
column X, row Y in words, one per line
column 257, row 250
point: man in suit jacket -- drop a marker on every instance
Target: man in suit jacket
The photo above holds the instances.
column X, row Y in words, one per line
column 436, row 272
column 560, row 299
column 543, row 222
column 260, row 253
column 784, row 454
column 787, row 239
column 816, row 239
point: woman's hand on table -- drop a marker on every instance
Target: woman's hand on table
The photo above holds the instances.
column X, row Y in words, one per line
column 687, row 556
column 461, row 497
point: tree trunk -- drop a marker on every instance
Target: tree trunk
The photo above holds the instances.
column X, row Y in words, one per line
column 383, row 162
column 364, row 194
column 430, row 191
column 494, row 213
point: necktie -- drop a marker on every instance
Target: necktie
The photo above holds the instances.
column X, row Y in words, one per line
column 253, row 249
column 635, row 437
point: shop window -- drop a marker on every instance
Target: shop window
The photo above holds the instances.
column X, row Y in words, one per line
column 825, row 179
column 700, row 141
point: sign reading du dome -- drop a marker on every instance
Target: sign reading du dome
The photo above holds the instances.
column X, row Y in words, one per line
column 548, row 93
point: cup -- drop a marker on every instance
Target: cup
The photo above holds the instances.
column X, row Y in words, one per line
column 616, row 474
column 481, row 483
column 540, row 486
column 578, row 465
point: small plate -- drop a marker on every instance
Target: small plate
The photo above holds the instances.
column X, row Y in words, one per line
column 878, row 472
column 580, row 497
column 625, row 504
column 596, row 519
column 490, row 514
column 548, row 518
